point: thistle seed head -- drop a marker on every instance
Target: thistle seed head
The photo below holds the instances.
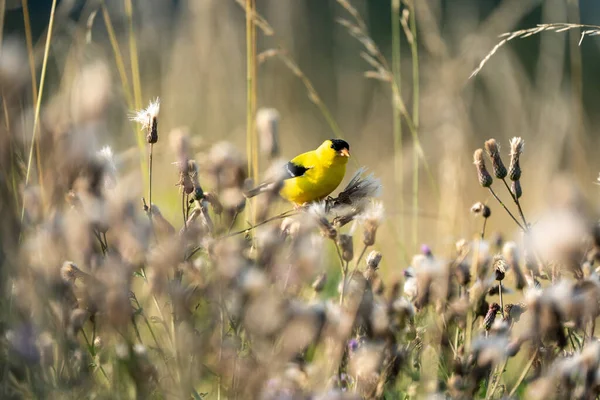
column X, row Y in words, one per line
column 481, row 209
column 346, row 246
column 516, row 149
column 485, row 179
column 373, row 259
column 490, row 317
column 516, row 190
column 500, row 266
column 493, row 151
column 148, row 118
column 372, row 217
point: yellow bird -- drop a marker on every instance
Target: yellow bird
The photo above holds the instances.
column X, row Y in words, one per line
column 312, row 175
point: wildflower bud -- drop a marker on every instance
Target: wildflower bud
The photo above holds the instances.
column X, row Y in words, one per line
column 481, row 209
column 516, row 190
column 490, row 317
column 319, row 283
column 347, row 247
column 372, row 217
column 267, row 124
column 373, row 259
column 493, row 151
column 500, row 265
column 485, row 179
column 516, row 148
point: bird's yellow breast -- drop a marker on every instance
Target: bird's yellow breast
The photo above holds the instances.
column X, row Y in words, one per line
column 317, row 183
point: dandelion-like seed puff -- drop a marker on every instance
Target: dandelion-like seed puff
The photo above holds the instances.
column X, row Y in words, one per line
column 147, row 118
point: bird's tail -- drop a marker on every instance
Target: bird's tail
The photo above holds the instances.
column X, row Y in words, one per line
column 269, row 186
column 263, row 187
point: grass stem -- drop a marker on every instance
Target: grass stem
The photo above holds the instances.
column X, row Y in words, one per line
column 524, row 373
column 505, row 208
column 38, row 104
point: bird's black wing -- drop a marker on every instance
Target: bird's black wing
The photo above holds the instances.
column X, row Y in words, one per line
column 290, row 170
column 294, row 170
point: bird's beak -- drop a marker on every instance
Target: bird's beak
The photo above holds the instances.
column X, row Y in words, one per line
column 344, row 153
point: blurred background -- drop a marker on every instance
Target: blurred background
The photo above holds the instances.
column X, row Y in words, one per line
column 192, row 54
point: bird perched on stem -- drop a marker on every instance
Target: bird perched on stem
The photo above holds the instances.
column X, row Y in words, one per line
column 312, row 175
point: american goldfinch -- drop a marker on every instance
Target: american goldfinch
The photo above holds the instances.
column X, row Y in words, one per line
column 312, row 175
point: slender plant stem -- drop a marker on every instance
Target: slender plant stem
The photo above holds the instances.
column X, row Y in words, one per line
column 183, row 207
column 506, row 209
column 415, row 118
column 251, row 145
column 135, row 74
column 397, row 119
column 362, row 253
column 524, row 373
column 118, row 56
column 501, row 299
column 90, row 347
column 150, row 179
column 483, row 228
column 34, row 88
column 516, row 200
column 231, row 225
column 2, row 13
column 500, row 372
column 38, row 104
column 344, row 276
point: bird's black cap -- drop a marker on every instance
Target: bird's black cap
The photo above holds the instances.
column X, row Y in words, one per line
column 339, row 144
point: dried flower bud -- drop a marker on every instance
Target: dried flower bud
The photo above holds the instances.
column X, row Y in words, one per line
column 516, row 190
column 319, row 283
column 485, row 179
column 267, row 124
column 490, row 317
column 481, row 209
column 319, row 212
column 373, row 259
column 493, row 151
column 500, row 265
column 347, row 247
column 516, row 148
column 513, row 312
column 372, row 219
